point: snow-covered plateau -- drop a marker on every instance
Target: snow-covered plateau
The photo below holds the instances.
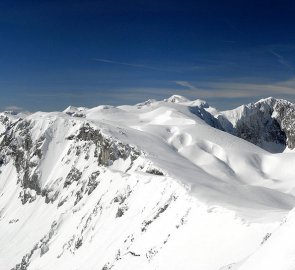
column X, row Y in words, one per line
column 161, row 185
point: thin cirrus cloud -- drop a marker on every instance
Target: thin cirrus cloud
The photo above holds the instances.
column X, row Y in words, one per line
column 107, row 61
column 170, row 69
column 281, row 59
column 196, row 90
column 13, row 108
column 239, row 90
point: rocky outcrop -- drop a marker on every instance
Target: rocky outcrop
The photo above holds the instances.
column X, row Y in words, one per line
column 18, row 145
column 285, row 115
column 257, row 125
column 107, row 149
column 41, row 247
column 206, row 116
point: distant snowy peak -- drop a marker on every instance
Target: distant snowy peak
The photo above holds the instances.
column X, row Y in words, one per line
column 185, row 101
column 73, row 108
column 176, row 99
column 263, row 105
column 267, row 123
column 271, row 101
column 199, row 102
column 146, row 103
column 75, row 111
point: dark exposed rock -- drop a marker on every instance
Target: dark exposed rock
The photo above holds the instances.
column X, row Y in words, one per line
column 155, row 171
column 121, row 211
column 78, row 243
column 134, row 254
column 62, row 201
column 151, row 254
column 120, row 199
column 258, row 125
column 73, row 176
column 17, row 144
column 206, row 116
column 44, row 249
column 87, row 187
column 107, row 150
column 286, row 119
column 183, row 220
column 71, row 137
column 76, row 114
column 79, row 195
column 265, row 238
column 31, row 181
column 92, row 182
column 161, row 210
column 42, row 245
column 2, row 161
column 145, row 224
column 166, row 240
column 107, row 266
column 50, row 195
column 13, row 221
column 27, row 195
column 118, row 255
column 266, row 121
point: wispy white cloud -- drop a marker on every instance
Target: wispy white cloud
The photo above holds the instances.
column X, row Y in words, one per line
column 13, row 108
column 240, row 89
column 49, row 94
column 281, row 59
column 171, row 68
column 127, row 64
column 204, row 90
column 186, row 84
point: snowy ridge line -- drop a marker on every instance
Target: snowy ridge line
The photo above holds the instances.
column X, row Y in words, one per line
column 28, row 153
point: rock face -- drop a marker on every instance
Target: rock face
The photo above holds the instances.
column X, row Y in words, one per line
column 18, row 145
column 106, row 150
column 284, row 113
column 201, row 112
column 266, row 121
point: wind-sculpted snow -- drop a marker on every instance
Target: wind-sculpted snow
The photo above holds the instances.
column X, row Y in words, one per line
column 158, row 185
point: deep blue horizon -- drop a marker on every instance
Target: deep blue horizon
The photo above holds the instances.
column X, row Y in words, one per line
column 86, row 53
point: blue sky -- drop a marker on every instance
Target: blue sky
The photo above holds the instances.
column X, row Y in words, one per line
column 86, row 53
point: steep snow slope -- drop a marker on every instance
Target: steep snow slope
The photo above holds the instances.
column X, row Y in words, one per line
column 158, row 185
column 276, row 251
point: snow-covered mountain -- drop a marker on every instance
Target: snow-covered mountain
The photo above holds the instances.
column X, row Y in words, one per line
column 268, row 123
column 172, row 184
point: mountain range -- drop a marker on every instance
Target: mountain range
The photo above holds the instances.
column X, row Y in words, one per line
column 171, row 184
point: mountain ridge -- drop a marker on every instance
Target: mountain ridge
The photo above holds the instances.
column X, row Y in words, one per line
column 156, row 183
